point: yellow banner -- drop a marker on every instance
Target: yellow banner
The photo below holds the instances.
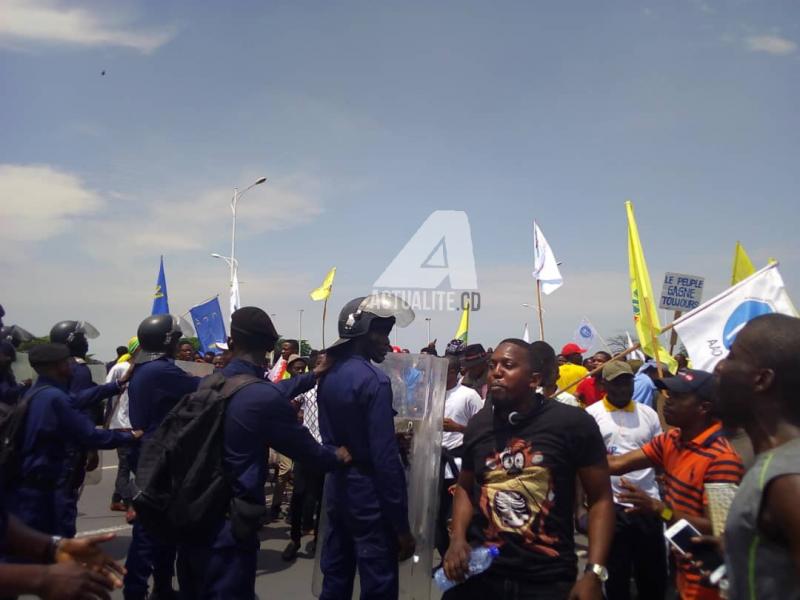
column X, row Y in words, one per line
column 644, row 308
column 742, row 265
column 323, row 291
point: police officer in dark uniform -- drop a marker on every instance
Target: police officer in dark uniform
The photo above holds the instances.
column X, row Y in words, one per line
column 10, row 390
column 50, row 426
column 259, row 415
column 87, row 397
column 73, row 334
column 367, row 504
column 156, row 385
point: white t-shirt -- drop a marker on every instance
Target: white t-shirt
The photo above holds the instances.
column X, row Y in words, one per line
column 624, row 431
column 119, row 411
column 563, row 397
column 461, row 403
column 569, row 399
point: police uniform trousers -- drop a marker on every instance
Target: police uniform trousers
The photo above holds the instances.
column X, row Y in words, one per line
column 37, row 508
column 147, row 555
column 358, row 535
column 222, row 569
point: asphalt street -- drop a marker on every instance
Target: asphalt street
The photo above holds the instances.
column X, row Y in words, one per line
column 275, row 579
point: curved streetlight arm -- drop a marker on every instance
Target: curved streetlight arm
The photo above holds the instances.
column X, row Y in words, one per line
column 227, row 259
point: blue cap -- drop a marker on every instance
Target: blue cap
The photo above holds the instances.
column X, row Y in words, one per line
column 689, row 381
column 494, row 551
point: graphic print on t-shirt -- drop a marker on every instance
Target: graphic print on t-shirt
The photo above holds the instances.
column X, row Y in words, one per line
column 517, row 496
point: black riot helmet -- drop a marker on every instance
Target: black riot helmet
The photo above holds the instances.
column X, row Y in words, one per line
column 74, row 335
column 158, row 336
column 358, row 314
column 15, row 335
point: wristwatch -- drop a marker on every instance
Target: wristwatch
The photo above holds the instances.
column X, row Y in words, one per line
column 52, row 548
column 599, row 570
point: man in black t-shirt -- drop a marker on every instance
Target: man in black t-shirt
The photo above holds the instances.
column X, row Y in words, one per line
column 516, row 490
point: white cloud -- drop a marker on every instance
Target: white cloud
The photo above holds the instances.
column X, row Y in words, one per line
column 38, row 201
column 49, row 21
column 771, row 44
column 191, row 223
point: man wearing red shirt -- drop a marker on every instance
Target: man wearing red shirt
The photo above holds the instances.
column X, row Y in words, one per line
column 590, row 390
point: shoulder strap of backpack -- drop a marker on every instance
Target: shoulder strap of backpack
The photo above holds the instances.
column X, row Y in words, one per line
column 32, row 393
column 237, row 382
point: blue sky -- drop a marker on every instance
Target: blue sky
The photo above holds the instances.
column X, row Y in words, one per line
column 368, row 116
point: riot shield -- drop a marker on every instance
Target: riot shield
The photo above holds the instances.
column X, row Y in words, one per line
column 22, row 368
column 195, row 368
column 98, row 371
column 418, row 389
column 94, row 477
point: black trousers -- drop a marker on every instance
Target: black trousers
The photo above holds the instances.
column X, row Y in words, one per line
column 445, row 511
column 489, row 587
column 638, row 550
column 304, row 507
column 122, row 484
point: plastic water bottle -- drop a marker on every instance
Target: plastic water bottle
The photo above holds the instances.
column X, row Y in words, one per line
column 479, row 560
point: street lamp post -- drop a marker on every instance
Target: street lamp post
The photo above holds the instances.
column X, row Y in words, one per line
column 234, row 201
column 230, row 262
column 300, row 331
column 428, row 323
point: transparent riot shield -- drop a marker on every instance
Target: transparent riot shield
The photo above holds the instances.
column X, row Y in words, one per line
column 22, row 368
column 195, row 368
column 95, row 476
column 99, row 373
column 418, row 388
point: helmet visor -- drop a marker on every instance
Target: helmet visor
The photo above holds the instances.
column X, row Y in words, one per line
column 87, row 329
column 385, row 305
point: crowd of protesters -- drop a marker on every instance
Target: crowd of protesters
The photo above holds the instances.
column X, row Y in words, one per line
column 537, row 447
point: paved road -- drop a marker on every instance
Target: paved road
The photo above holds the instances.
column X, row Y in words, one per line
column 275, row 578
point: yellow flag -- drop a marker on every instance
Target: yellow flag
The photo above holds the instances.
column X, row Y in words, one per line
column 323, row 291
column 463, row 327
column 644, row 308
column 742, row 265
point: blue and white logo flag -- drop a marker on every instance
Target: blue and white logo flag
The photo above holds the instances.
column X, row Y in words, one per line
column 709, row 330
column 209, row 324
column 585, row 335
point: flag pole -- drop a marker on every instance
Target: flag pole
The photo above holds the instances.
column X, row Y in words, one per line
column 324, row 314
column 539, row 308
column 654, row 339
column 596, row 370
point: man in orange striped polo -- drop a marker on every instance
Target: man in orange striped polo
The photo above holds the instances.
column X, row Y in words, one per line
column 692, row 454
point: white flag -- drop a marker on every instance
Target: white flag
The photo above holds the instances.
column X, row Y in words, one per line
column 545, row 267
column 709, row 330
column 585, row 334
column 235, row 300
column 636, row 354
column 526, row 335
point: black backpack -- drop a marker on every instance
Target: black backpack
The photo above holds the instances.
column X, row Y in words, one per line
column 12, row 428
column 183, row 488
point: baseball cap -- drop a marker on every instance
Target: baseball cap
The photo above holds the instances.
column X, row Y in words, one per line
column 572, row 348
column 474, row 355
column 292, row 358
column 689, row 381
column 615, row 368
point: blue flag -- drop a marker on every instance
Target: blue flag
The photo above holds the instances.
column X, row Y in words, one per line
column 160, row 299
column 209, row 324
